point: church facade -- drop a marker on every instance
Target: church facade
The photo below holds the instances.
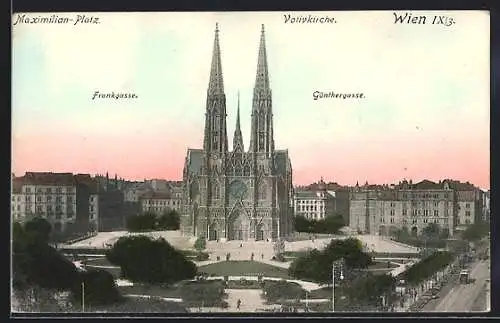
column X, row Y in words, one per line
column 238, row 194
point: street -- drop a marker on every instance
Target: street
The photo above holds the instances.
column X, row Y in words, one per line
column 464, row 298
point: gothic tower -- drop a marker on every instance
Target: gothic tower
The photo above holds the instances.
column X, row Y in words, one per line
column 215, row 138
column 261, row 139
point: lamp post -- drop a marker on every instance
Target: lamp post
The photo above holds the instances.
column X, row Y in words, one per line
column 335, row 263
column 83, row 296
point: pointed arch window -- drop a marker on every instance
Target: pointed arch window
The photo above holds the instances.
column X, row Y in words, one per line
column 246, row 171
column 216, row 191
column 262, row 191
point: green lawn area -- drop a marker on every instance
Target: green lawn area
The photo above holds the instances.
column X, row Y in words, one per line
column 244, row 268
column 102, row 261
column 153, row 290
column 382, row 265
column 294, row 254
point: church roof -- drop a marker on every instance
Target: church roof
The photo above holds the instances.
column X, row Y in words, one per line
column 194, row 160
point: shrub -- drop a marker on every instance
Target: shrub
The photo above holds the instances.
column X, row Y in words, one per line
column 208, row 293
column 202, row 256
column 142, row 259
column 282, row 290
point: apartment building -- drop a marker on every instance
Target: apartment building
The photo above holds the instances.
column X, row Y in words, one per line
column 159, row 202
column 383, row 209
column 67, row 201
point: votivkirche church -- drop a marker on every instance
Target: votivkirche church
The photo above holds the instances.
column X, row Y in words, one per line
column 239, row 194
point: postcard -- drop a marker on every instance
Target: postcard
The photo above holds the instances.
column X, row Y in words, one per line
column 245, row 162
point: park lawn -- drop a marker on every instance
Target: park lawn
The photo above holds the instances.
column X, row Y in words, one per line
column 244, row 268
column 116, row 272
column 152, row 290
column 294, row 254
column 382, row 265
column 101, row 261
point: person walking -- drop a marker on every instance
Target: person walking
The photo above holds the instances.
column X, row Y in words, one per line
column 238, row 304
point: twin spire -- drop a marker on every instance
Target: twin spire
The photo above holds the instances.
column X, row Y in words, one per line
column 215, row 93
column 216, row 84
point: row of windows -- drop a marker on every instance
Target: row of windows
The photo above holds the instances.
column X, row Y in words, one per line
column 310, row 208
column 414, row 221
column 425, row 195
column 162, row 202
column 50, row 190
column 310, row 201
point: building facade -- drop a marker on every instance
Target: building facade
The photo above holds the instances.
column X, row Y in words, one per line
column 160, row 202
column 486, row 206
column 383, row 210
column 238, row 194
column 314, row 204
column 65, row 200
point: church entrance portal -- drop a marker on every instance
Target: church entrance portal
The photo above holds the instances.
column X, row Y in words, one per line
column 238, row 227
column 259, row 232
column 212, row 233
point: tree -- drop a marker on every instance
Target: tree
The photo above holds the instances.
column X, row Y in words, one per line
column 35, row 263
column 431, row 231
column 169, row 220
column 367, row 289
column 143, row 259
column 99, row 287
column 476, row 231
column 279, row 247
column 317, row 265
column 39, row 267
column 143, row 222
column 302, row 224
column 200, row 244
column 39, row 228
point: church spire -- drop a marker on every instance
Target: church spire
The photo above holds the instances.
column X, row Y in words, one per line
column 238, row 138
column 262, row 138
column 262, row 85
column 216, row 83
column 215, row 137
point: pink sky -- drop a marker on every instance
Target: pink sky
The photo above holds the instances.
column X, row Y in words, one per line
column 138, row 157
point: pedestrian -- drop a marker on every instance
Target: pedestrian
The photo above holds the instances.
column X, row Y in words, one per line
column 241, row 245
column 262, row 256
column 238, row 304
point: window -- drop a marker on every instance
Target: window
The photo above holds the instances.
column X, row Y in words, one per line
column 49, row 190
column 435, row 204
column 38, row 198
column 392, row 220
column 436, row 213
column 404, row 211
column 58, row 190
column 28, row 190
column 392, row 212
column 467, row 205
column 467, row 213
